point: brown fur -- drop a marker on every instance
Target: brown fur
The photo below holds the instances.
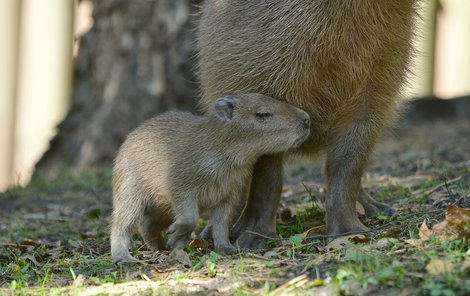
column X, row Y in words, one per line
column 343, row 61
column 177, row 164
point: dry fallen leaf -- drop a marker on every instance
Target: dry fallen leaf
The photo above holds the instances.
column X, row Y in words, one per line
column 360, row 209
column 342, row 241
column 363, row 238
column 28, row 242
column 437, row 266
column 414, row 242
column 453, row 227
column 393, row 232
column 198, row 244
column 424, row 232
column 457, row 220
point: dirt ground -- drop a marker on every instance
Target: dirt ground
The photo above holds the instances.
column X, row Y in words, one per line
column 54, row 235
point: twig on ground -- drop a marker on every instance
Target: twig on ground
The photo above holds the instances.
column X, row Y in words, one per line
column 429, row 191
column 310, row 237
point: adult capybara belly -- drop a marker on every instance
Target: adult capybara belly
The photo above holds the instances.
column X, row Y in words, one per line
column 339, row 60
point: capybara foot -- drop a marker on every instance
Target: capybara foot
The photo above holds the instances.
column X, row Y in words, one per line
column 206, row 233
column 372, row 207
column 253, row 241
column 338, row 227
column 123, row 257
column 180, row 233
column 227, row 249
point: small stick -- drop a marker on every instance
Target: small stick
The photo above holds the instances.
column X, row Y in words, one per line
column 310, row 237
column 445, row 183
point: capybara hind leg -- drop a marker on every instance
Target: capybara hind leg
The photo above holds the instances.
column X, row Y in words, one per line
column 259, row 215
column 125, row 218
column 120, row 243
column 372, row 207
column 121, row 240
column 186, row 215
column 151, row 230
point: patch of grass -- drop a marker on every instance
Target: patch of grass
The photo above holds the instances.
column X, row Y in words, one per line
column 302, row 221
column 428, row 184
column 67, row 221
column 366, row 271
column 209, row 261
column 392, row 193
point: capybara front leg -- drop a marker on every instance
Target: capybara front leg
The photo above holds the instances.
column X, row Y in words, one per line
column 347, row 155
column 259, row 214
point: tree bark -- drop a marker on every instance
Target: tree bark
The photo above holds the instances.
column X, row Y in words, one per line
column 136, row 62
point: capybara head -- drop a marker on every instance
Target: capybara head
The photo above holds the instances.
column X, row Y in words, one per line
column 262, row 121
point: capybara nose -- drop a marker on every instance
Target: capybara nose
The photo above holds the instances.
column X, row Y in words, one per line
column 306, row 122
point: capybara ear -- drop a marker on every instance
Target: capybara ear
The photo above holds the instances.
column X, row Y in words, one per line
column 224, row 107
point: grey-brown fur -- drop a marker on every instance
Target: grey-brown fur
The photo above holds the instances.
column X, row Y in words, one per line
column 342, row 61
column 178, row 164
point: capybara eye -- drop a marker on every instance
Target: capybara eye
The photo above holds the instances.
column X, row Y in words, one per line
column 264, row 115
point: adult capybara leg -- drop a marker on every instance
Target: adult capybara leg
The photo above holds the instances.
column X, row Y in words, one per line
column 259, row 214
column 221, row 219
column 346, row 159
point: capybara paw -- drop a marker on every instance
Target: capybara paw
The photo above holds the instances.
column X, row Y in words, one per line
column 342, row 227
column 385, row 209
column 370, row 210
column 176, row 243
column 251, row 241
column 123, row 257
column 374, row 209
column 226, row 249
column 206, row 233
column 179, row 234
column 181, row 228
column 390, row 211
column 245, row 223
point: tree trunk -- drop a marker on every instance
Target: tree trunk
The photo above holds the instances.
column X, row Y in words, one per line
column 135, row 62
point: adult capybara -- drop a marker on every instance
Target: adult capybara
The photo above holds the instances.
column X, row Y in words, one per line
column 343, row 61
